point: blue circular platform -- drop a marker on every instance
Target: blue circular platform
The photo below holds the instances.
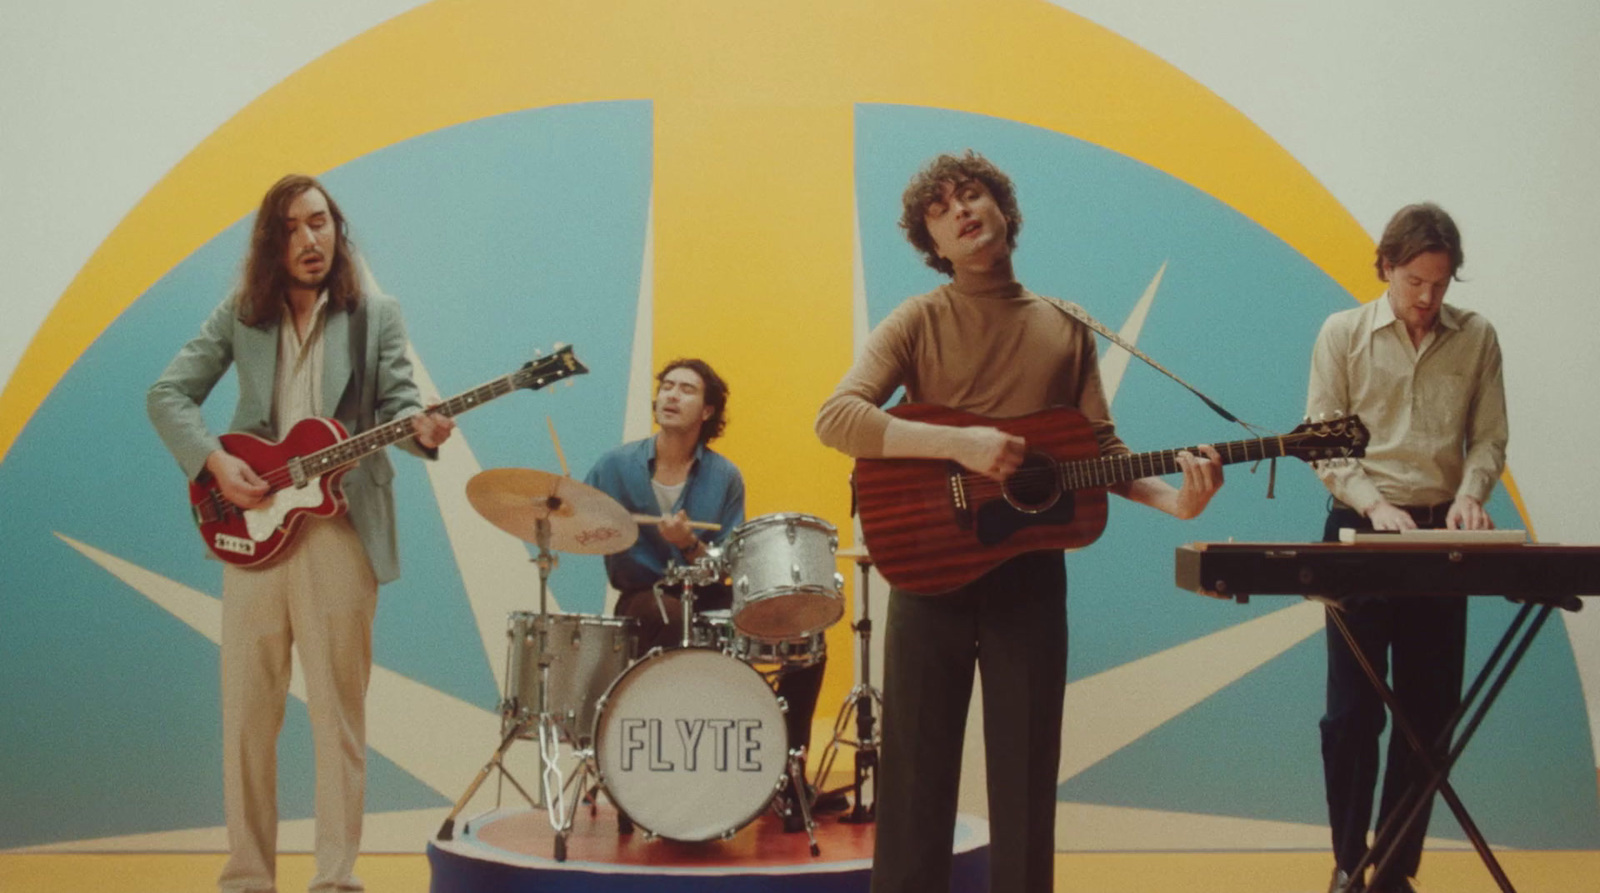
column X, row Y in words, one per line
column 512, row 851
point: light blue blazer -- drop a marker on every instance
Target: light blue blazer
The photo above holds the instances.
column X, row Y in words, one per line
column 365, row 375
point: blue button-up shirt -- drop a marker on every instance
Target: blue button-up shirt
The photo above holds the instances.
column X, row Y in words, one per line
column 713, row 491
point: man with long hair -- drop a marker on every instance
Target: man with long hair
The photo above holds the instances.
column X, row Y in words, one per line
column 985, row 345
column 1425, row 377
column 308, row 342
column 676, row 475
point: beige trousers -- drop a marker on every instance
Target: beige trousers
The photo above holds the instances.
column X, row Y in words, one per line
column 320, row 598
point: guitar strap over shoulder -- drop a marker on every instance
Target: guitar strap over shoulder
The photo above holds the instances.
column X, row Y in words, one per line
column 358, row 336
column 1081, row 315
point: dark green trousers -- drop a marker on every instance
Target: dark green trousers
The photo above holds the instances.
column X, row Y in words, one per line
column 1011, row 624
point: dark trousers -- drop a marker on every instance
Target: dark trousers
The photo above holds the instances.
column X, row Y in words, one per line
column 1421, row 640
column 1012, row 625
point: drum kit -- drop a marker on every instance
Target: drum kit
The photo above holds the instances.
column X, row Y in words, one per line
column 687, row 742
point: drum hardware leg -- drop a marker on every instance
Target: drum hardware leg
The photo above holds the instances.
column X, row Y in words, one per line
column 552, row 784
column 624, row 824
column 447, row 830
column 800, row 797
column 867, row 703
column 862, row 702
column 546, row 561
column 686, row 599
column 563, row 825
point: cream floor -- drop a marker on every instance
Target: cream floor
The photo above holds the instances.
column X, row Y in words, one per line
column 1541, row 872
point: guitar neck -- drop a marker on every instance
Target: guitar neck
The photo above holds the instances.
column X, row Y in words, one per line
column 533, row 375
column 354, row 449
column 1107, row 471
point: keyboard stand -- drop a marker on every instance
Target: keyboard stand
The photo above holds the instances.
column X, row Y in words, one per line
column 1516, row 639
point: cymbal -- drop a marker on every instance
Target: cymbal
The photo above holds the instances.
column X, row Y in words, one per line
column 583, row 520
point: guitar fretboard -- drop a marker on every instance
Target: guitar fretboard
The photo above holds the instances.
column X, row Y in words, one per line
column 351, row 450
column 347, row 452
column 1106, row 471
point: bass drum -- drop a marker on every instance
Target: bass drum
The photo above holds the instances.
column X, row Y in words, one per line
column 691, row 744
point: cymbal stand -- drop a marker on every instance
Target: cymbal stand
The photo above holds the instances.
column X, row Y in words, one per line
column 864, row 701
column 552, row 787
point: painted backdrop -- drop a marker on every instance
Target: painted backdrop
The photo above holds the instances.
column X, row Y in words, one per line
column 723, row 181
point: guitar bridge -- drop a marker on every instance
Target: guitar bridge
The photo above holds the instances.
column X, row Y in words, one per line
column 958, row 497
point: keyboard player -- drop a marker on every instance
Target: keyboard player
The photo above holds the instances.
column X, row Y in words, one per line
column 1425, row 377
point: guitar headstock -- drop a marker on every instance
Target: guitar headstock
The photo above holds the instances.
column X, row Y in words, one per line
column 537, row 373
column 1340, row 438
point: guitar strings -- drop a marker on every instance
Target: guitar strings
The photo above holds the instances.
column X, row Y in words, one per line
column 1085, row 473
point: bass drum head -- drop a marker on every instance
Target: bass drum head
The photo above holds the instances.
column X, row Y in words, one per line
column 691, row 744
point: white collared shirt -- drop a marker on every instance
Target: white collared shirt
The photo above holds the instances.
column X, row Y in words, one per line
column 297, row 389
column 1436, row 412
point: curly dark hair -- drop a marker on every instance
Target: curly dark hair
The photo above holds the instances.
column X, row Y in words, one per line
column 715, row 394
column 1419, row 229
column 266, row 281
column 926, row 187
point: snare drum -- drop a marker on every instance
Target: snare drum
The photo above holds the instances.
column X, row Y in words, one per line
column 781, row 568
column 782, row 654
column 587, row 653
column 691, row 744
column 714, row 630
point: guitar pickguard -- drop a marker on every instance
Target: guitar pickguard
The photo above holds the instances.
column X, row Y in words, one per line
column 997, row 520
column 265, row 519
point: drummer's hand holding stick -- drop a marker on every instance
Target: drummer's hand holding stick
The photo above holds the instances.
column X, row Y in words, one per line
column 677, row 531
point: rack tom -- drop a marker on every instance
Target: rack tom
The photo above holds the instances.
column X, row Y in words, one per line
column 782, row 571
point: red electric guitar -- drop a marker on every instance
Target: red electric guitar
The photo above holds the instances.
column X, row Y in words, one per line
column 305, row 467
column 932, row 526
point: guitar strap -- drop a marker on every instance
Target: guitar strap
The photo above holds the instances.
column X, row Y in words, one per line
column 1081, row 315
column 359, row 367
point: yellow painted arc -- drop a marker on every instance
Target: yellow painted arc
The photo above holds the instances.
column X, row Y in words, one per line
column 451, row 62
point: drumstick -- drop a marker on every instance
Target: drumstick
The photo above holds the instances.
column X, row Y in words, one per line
column 560, row 456
column 693, row 525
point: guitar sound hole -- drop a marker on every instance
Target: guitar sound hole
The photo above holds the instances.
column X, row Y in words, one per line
column 1033, row 488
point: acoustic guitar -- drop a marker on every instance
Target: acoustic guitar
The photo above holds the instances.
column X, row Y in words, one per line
column 933, row 526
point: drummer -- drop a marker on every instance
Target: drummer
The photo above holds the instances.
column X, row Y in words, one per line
column 676, row 475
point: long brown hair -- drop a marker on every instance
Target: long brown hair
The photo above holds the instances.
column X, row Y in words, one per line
column 266, row 281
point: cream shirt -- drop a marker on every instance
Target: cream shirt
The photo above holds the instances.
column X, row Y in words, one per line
column 1436, row 413
column 297, row 391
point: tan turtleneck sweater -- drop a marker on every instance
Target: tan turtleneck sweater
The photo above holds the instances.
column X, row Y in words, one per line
column 998, row 353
